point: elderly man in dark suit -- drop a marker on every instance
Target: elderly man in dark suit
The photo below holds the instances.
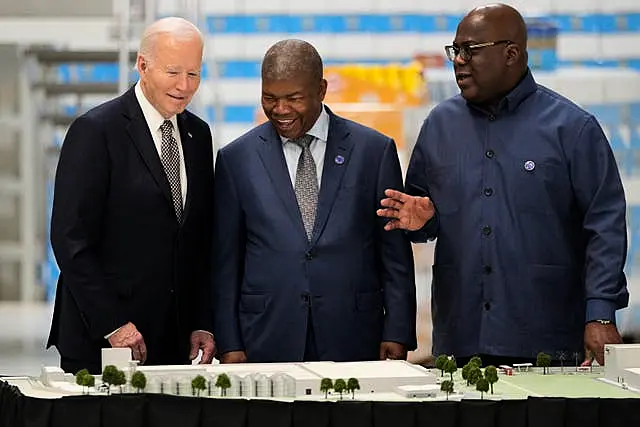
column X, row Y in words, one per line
column 132, row 214
column 303, row 269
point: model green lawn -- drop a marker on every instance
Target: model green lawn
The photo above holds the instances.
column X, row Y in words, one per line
column 569, row 384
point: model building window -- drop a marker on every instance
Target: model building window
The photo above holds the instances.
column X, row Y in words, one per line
column 308, row 392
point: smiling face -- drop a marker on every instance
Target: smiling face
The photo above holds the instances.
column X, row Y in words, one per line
column 294, row 104
column 170, row 75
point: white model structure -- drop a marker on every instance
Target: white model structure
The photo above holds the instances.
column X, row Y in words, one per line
column 622, row 365
column 389, row 379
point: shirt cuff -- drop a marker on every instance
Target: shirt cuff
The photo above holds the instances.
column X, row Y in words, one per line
column 599, row 309
column 106, row 337
column 427, row 233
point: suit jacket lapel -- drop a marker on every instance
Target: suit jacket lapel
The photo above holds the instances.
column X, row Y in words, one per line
column 336, row 160
column 189, row 158
column 138, row 131
column 272, row 156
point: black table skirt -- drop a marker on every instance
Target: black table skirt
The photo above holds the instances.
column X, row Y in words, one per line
column 156, row 410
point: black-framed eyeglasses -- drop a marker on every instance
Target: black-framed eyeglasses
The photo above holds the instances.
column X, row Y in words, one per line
column 466, row 51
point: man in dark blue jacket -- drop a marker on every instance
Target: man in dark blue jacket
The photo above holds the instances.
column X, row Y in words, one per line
column 521, row 190
column 303, row 269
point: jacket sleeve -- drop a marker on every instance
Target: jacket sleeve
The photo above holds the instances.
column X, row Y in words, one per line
column 204, row 318
column 600, row 197
column 416, row 185
column 228, row 259
column 396, row 261
column 77, row 225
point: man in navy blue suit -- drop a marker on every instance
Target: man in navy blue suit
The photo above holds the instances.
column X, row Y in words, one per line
column 303, row 268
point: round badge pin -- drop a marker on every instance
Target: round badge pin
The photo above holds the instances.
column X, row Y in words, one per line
column 339, row 160
column 529, row 165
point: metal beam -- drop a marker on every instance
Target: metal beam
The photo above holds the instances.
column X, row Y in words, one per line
column 50, row 56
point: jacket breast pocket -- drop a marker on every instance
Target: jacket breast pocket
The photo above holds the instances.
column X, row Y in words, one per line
column 444, row 183
column 540, row 187
column 251, row 303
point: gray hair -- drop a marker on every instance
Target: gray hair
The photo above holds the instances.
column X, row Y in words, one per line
column 292, row 58
column 178, row 28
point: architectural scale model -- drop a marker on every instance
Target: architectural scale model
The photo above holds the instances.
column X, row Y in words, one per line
column 622, row 365
column 389, row 380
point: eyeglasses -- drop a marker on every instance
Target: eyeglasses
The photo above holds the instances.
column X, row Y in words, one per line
column 465, row 51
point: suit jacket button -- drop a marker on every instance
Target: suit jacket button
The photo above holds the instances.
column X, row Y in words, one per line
column 309, row 256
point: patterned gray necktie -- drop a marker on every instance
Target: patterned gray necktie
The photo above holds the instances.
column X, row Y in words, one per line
column 306, row 186
column 170, row 157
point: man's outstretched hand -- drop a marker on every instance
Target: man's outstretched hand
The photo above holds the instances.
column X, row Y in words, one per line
column 404, row 211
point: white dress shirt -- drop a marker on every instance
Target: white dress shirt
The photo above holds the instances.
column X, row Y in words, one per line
column 154, row 121
column 292, row 151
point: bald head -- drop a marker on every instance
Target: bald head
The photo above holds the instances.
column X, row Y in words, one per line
column 174, row 28
column 505, row 21
column 292, row 58
column 495, row 59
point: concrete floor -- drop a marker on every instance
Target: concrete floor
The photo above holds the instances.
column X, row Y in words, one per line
column 23, row 336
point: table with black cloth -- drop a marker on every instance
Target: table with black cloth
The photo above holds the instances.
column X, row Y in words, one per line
column 159, row 410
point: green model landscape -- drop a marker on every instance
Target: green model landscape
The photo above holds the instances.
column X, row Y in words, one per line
column 532, row 382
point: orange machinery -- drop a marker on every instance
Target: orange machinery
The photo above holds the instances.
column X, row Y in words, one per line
column 374, row 95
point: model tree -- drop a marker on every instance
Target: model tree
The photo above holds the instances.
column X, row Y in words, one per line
column 465, row 372
column 85, row 379
column 474, row 374
column 340, row 386
column 138, row 381
column 447, row 387
column 325, row 386
column 89, row 381
column 477, row 360
column 450, row 367
column 109, row 374
column 352, row 385
column 562, row 356
column 80, row 378
column 543, row 361
column 198, row 384
column 120, row 379
column 482, row 386
column 223, row 383
column 441, row 362
column 491, row 375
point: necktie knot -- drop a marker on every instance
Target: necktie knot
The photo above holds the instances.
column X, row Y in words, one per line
column 166, row 127
column 304, row 141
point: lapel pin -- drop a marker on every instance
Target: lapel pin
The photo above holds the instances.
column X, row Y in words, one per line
column 339, row 160
column 529, row 165
column 189, row 133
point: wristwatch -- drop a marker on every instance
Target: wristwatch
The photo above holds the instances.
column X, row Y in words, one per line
column 603, row 321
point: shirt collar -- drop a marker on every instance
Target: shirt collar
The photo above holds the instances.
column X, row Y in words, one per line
column 513, row 99
column 320, row 129
column 151, row 115
column 526, row 87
